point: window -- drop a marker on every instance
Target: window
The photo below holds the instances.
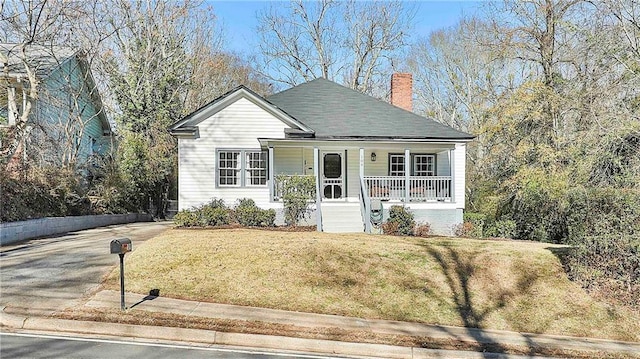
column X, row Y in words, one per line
column 228, row 168
column 256, row 165
column 396, row 165
column 242, row 168
column 421, row 165
column 424, row 165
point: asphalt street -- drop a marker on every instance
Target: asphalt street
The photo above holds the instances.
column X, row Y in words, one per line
column 42, row 276
column 13, row 345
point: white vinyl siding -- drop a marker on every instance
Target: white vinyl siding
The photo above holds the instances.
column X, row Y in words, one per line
column 353, row 173
column 237, row 126
column 288, row 160
column 442, row 164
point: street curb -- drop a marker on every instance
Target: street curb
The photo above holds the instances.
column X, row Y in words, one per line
column 254, row 341
column 249, row 341
column 107, row 298
column 11, row 321
column 326, row 347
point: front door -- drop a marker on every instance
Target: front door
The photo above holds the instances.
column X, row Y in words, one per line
column 332, row 174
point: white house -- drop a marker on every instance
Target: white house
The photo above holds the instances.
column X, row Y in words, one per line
column 363, row 153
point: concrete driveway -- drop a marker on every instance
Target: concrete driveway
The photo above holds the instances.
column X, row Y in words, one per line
column 42, row 276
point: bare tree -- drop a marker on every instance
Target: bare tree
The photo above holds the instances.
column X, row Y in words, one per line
column 215, row 73
column 350, row 42
column 540, row 32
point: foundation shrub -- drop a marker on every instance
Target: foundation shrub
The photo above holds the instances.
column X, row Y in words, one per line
column 422, row 230
column 402, row 221
column 390, row 228
column 247, row 214
column 186, row 218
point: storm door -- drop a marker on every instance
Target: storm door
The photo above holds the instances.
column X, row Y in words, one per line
column 332, row 175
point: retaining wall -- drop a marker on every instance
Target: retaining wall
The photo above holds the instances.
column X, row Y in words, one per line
column 11, row 232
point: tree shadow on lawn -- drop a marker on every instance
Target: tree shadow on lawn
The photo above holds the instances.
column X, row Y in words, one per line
column 458, row 272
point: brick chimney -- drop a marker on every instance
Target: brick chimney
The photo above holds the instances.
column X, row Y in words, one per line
column 402, row 90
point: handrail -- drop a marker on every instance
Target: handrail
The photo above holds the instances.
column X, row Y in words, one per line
column 365, row 206
column 318, row 206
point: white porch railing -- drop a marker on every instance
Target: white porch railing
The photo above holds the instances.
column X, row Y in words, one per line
column 423, row 188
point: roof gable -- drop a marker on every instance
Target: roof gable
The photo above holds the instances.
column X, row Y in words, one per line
column 335, row 111
column 187, row 125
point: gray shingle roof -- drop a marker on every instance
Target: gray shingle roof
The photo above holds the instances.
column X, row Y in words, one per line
column 335, row 111
column 42, row 59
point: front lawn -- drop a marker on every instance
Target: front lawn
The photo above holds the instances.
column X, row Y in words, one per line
column 508, row 285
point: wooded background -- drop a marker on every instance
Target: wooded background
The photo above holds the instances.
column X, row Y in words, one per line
column 549, row 87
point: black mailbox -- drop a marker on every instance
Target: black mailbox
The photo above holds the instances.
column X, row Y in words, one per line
column 121, row 246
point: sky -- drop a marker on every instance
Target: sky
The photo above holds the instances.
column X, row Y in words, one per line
column 238, row 19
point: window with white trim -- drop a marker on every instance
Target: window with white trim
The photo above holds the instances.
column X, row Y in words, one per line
column 396, row 165
column 242, row 168
column 256, row 167
column 421, row 165
column 424, row 165
column 228, row 168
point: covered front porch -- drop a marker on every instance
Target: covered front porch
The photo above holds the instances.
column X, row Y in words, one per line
column 349, row 174
column 354, row 179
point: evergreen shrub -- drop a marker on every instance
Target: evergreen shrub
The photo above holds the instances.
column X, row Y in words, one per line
column 400, row 222
column 247, row 214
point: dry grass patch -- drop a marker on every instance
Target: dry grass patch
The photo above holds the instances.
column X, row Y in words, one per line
column 506, row 285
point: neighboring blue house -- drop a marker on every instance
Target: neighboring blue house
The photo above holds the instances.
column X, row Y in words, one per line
column 67, row 123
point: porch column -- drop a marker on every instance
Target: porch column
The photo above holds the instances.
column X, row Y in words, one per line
column 361, row 162
column 407, row 174
column 271, row 169
column 452, row 170
column 316, row 173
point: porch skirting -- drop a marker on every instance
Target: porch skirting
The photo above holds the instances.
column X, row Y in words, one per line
column 442, row 221
column 309, row 220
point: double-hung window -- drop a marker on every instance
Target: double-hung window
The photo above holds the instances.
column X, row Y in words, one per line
column 424, row 165
column 396, row 165
column 256, row 168
column 421, row 165
column 242, row 168
column 229, row 168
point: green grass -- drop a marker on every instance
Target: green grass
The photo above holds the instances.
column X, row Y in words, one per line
column 506, row 285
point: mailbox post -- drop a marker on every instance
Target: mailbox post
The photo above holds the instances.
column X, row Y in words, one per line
column 121, row 246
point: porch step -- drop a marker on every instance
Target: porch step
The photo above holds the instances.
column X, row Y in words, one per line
column 342, row 218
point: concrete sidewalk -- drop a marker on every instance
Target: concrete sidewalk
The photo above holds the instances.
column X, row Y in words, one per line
column 111, row 299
